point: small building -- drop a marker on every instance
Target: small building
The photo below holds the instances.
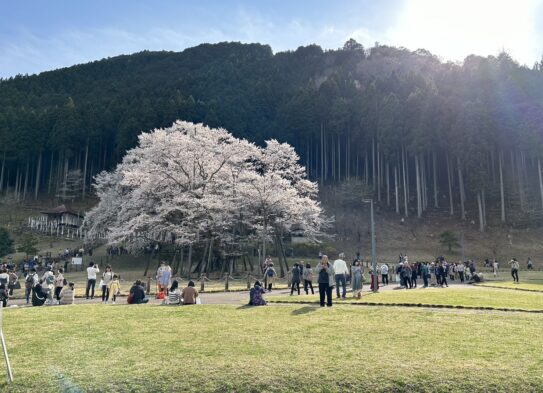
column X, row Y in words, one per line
column 63, row 216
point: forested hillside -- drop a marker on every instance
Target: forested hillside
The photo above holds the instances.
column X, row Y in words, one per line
column 420, row 133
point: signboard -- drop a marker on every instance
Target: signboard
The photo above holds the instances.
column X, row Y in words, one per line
column 77, row 261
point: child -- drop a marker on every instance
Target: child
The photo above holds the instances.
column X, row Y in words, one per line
column 174, row 296
column 67, row 294
column 59, row 284
column 114, row 288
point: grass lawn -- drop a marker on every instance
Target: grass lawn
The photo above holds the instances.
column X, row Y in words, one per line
column 277, row 349
column 469, row 297
column 534, row 285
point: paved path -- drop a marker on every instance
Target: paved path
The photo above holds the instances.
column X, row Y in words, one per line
column 238, row 297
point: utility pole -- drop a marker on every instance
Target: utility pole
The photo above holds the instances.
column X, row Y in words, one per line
column 375, row 276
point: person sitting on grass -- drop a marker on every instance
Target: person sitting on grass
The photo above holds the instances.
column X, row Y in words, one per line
column 256, row 295
column 137, row 293
column 174, row 296
column 189, row 294
column 67, row 294
column 38, row 296
column 114, row 288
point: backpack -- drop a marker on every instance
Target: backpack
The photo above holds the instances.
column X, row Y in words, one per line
column 50, row 279
column 29, row 281
column 64, row 282
column 323, row 276
column 270, row 272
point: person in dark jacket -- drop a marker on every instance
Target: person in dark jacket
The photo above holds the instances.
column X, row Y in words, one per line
column 138, row 293
column 414, row 269
column 38, row 295
column 295, row 279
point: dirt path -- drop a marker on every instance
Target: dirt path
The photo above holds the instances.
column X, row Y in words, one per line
column 236, row 298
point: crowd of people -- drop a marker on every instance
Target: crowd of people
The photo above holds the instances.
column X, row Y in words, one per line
column 53, row 288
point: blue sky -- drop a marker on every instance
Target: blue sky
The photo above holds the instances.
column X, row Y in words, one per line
column 42, row 35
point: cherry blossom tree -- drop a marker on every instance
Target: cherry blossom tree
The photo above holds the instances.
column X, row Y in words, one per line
column 189, row 183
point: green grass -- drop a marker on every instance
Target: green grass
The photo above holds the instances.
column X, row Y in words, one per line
column 535, row 285
column 276, row 349
column 468, row 297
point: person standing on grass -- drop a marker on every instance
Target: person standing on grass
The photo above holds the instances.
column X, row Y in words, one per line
column 495, row 267
column 107, row 277
column 31, row 280
column 414, row 275
column 189, row 294
column 269, row 276
column 514, row 269
column 384, row 274
column 12, row 282
column 529, row 264
column 326, row 277
column 92, row 270
column 308, row 279
column 295, row 278
column 442, row 271
column 407, row 276
column 59, row 283
column 424, row 273
column 342, row 271
column 460, row 269
column 48, row 284
column 356, row 280
column 114, row 288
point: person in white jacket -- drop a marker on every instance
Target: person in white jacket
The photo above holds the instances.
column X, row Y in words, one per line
column 92, row 270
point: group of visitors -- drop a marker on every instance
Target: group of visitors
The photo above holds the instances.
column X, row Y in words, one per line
column 187, row 296
column 50, row 288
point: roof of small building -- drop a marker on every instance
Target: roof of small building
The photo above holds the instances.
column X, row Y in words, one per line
column 60, row 210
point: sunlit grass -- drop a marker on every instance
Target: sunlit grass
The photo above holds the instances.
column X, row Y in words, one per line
column 468, row 297
column 278, row 349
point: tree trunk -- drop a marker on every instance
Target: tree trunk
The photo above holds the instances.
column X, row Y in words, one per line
column 388, row 183
column 2, row 172
column 38, row 176
column 379, row 170
column 366, row 168
column 264, row 233
column 481, row 219
column 461, row 186
column 189, row 261
column 449, row 176
column 17, row 184
column 26, row 176
column 419, row 196
column 396, row 189
column 502, row 194
column 338, row 158
column 65, row 176
column 540, row 180
column 406, row 213
column 85, row 170
column 434, row 162
column 373, row 166
column 484, row 207
column 50, row 173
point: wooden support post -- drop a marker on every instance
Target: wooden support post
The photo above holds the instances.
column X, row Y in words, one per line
column 248, row 281
column 148, row 285
column 202, row 283
column 227, row 282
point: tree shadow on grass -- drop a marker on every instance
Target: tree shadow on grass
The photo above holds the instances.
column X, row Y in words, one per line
column 244, row 307
column 304, row 310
